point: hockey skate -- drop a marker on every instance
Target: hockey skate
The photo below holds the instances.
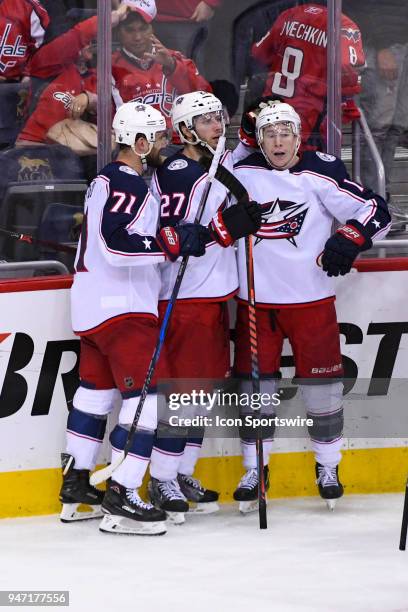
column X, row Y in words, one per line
column 126, row 513
column 247, row 491
column 166, row 495
column 201, row 500
column 80, row 501
column 330, row 487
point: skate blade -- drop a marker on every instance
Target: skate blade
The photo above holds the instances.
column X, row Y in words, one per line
column 205, row 508
column 176, row 518
column 331, row 504
column 246, row 507
column 79, row 512
column 120, row 524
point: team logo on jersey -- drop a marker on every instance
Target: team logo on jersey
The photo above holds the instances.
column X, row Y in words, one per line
column 128, row 170
column 128, row 380
column 351, row 34
column 14, row 50
column 325, row 156
column 287, row 227
column 64, row 97
column 158, row 97
column 314, row 10
column 178, row 164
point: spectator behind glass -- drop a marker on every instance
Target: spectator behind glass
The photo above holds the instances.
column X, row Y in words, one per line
column 294, row 51
column 384, row 96
column 182, row 25
column 22, row 29
column 55, row 102
column 144, row 70
column 68, row 61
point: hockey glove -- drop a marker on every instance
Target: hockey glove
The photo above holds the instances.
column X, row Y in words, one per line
column 236, row 222
column 182, row 240
column 247, row 131
column 342, row 248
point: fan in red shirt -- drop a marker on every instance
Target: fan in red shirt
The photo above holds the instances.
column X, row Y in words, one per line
column 295, row 54
column 22, row 29
column 55, row 102
column 144, row 70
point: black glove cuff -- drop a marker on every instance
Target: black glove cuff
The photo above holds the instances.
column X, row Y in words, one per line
column 363, row 231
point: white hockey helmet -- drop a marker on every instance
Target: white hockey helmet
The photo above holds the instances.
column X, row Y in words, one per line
column 191, row 105
column 277, row 112
column 135, row 118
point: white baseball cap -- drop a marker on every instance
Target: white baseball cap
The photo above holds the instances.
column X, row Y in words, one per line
column 146, row 8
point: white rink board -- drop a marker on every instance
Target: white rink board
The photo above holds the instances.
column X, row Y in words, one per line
column 34, row 442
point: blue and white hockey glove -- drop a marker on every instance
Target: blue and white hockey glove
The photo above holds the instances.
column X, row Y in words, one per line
column 182, row 240
column 236, row 222
column 342, row 248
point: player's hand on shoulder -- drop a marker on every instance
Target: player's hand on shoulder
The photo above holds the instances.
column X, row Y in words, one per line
column 187, row 239
column 236, row 222
column 342, row 248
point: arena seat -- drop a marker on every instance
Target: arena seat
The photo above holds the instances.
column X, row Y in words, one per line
column 41, row 191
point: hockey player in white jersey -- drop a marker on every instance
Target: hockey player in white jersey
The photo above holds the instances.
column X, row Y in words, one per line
column 295, row 257
column 197, row 343
column 114, row 301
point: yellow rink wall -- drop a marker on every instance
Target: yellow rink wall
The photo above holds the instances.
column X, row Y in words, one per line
column 374, row 470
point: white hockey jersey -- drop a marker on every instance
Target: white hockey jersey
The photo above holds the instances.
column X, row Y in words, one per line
column 116, row 267
column 299, row 206
column 179, row 184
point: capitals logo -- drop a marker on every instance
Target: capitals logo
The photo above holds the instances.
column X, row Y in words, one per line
column 276, row 227
column 351, row 34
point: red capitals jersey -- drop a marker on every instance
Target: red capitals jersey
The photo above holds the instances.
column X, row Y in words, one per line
column 295, row 53
column 22, row 29
column 148, row 83
column 55, row 102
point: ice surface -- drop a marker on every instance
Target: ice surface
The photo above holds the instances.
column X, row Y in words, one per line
column 308, row 560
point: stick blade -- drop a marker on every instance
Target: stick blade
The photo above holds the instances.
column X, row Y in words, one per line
column 106, row 472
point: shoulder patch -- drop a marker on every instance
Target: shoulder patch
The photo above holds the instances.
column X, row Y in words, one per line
column 326, row 156
column 178, row 164
column 128, row 170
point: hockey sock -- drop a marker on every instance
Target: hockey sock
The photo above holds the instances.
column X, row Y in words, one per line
column 248, row 448
column 190, row 456
column 85, row 434
column 324, row 405
column 167, row 451
column 328, row 453
column 131, row 471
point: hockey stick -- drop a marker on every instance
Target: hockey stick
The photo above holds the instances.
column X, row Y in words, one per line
column 56, row 246
column 238, row 190
column 229, row 181
column 253, row 341
column 105, row 473
column 404, row 524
